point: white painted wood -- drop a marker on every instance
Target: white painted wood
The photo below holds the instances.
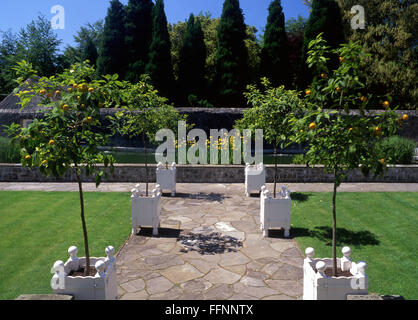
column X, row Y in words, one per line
column 103, row 286
column 145, row 211
column 166, row 178
column 275, row 212
column 255, row 178
column 318, row 286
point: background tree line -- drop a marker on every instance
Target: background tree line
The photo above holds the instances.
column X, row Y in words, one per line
column 208, row 61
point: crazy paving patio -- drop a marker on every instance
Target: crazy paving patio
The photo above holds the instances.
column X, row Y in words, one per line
column 210, row 246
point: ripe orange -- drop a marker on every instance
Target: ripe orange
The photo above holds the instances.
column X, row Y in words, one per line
column 65, row 107
column 351, row 129
column 75, row 86
column 91, row 89
column 28, row 157
column 363, row 99
column 42, row 91
column 382, row 161
column 338, row 89
column 312, row 126
column 78, row 97
column 89, row 119
column 323, row 75
column 57, row 92
column 386, row 104
column 308, row 92
column 51, row 142
column 70, row 90
column 341, row 59
column 405, row 117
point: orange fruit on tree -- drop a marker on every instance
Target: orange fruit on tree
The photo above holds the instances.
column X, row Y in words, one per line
column 42, row 91
column 405, row 117
column 312, row 126
column 382, row 161
column 28, row 157
column 89, row 119
column 351, row 129
column 323, row 75
column 308, row 92
column 75, row 85
column 65, row 107
column 78, row 97
column 91, row 89
column 341, row 59
column 57, row 92
column 385, row 104
column 363, row 99
column 70, row 90
column 338, row 89
column 44, row 162
column 51, row 142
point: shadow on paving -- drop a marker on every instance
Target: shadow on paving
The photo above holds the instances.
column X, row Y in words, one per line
column 162, row 233
column 215, row 197
column 212, row 243
column 344, row 236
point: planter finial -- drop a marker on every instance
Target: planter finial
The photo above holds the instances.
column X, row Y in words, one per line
column 320, row 267
column 361, row 268
column 310, row 252
column 100, row 267
column 73, row 261
column 346, row 261
column 110, row 252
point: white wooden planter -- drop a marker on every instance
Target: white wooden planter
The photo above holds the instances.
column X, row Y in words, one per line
column 255, row 178
column 166, row 178
column 145, row 211
column 275, row 212
column 103, row 286
column 318, row 286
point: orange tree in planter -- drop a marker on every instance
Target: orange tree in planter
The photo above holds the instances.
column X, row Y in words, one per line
column 340, row 140
column 66, row 137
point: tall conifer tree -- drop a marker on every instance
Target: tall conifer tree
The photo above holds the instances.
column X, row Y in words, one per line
column 275, row 53
column 89, row 52
column 325, row 17
column 138, row 37
column 112, row 53
column 192, row 60
column 160, row 67
column 232, row 55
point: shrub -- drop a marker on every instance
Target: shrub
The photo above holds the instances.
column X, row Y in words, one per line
column 9, row 152
column 397, row 150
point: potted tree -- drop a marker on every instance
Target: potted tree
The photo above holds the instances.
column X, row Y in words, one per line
column 340, row 140
column 66, row 139
column 271, row 111
column 145, row 113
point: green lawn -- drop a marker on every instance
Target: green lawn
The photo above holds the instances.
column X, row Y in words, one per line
column 38, row 227
column 380, row 228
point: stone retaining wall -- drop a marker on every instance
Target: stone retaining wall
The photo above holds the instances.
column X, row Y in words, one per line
column 214, row 174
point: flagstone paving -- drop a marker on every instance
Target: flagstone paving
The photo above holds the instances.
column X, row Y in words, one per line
column 209, row 247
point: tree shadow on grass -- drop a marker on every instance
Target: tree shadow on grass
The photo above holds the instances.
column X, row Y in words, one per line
column 344, row 236
column 301, row 197
column 210, row 243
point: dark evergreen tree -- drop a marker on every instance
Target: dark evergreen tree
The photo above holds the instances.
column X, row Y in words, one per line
column 112, row 53
column 325, row 17
column 138, row 37
column 232, row 55
column 160, row 67
column 89, row 52
column 275, row 52
column 192, row 61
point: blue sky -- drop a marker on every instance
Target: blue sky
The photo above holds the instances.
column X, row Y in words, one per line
column 18, row 13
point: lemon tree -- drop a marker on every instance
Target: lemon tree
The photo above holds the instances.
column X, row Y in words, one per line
column 144, row 113
column 339, row 139
column 272, row 110
column 67, row 137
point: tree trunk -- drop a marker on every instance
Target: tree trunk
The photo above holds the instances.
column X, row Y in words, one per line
column 275, row 171
column 146, row 166
column 334, row 227
column 83, row 222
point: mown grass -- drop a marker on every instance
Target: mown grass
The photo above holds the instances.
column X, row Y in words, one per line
column 381, row 229
column 37, row 228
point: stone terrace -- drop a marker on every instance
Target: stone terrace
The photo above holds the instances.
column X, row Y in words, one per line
column 210, row 247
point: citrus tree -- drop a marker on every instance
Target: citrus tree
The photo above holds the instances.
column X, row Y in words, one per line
column 272, row 109
column 145, row 112
column 339, row 139
column 66, row 137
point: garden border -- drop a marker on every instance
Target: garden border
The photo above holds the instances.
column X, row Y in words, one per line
column 214, row 174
